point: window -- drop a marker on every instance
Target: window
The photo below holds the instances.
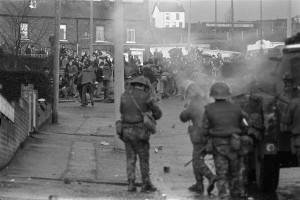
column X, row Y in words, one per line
column 167, row 16
column 63, row 32
column 177, row 16
column 99, row 33
column 130, row 35
column 24, row 31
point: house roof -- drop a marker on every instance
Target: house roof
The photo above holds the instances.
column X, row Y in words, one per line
column 169, row 7
column 81, row 9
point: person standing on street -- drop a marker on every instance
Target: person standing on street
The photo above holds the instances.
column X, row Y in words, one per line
column 88, row 78
column 194, row 112
column 136, row 101
column 107, row 73
column 223, row 123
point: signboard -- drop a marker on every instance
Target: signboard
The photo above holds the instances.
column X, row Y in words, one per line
column 6, row 109
column 228, row 25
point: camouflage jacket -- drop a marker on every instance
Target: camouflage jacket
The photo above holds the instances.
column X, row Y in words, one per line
column 130, row 113
column 221, row 119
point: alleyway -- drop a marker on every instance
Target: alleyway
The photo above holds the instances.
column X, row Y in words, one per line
column 76, row 160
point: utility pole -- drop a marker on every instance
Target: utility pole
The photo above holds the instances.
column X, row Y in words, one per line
column 91, row 26
column 56, row 62
column 148, row 30
column 216, row 16
column 232, row 20
column 189, row 25
column 118, row 63
column 289, row 20
column 261, row 27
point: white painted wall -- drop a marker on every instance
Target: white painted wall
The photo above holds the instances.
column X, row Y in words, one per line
column 161, row 20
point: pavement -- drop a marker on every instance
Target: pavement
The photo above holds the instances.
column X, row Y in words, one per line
column 76, row 159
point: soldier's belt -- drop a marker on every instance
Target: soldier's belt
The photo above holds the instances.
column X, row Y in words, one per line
column 130, row 124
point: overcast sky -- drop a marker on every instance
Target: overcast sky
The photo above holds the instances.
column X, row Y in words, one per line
column 203, row 10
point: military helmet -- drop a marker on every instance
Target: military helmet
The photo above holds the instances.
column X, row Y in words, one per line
column 220, row 90
column 141, row 80
column 192, row 90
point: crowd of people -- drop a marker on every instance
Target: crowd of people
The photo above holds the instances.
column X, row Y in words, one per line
column 168, row 76
column 85, row 76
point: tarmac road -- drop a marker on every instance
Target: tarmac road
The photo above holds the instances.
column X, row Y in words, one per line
column 75, row 159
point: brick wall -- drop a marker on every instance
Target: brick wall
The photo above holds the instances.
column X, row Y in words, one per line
column 12, row 134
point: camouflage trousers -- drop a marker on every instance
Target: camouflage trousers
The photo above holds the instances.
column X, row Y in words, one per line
column 296, row 146
column 199, row 167
column 227, row 164
column 136, row 148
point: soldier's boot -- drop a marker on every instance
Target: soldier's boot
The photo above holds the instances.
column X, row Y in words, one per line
column 148, row 187
column 211, row 184
column 131, row 186
column 197, row 187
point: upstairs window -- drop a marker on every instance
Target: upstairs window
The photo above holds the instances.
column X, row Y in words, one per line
column 63, row 32
column 24, row 31
column 177, row 16
column 130, row 35
column 100, row 33
column 167, row 16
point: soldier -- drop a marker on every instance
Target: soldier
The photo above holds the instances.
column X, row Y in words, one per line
column 193, row 113
column 222, row 122
column 293, row 122
column 135, row 101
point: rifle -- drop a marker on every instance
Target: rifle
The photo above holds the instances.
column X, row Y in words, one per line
column 189, row 162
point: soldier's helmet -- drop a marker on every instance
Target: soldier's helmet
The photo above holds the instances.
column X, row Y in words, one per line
column 141, row 80
column 220, row 91
column 192, row 90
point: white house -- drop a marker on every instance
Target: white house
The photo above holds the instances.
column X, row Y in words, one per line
column 168, row 15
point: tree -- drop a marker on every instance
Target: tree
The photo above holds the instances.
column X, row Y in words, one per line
column 17, row 29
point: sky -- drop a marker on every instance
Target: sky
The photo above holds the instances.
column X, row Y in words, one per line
column 204, row 10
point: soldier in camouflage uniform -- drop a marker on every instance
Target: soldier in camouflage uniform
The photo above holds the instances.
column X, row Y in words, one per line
column 134, row 134
column 293, row 122
column 222, row 122
column 193, row 113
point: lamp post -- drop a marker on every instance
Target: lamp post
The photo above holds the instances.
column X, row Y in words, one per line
column 56, row 62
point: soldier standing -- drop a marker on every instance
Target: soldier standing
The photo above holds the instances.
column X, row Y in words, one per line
column 222, row 122
column 193, row 113
column 293, row 121
column 135, row 101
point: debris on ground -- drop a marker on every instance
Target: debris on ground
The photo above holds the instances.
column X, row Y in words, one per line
column 104, row 143
column 67, row 181
column 164, row 196
column 166, row 169
column 173, row 126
